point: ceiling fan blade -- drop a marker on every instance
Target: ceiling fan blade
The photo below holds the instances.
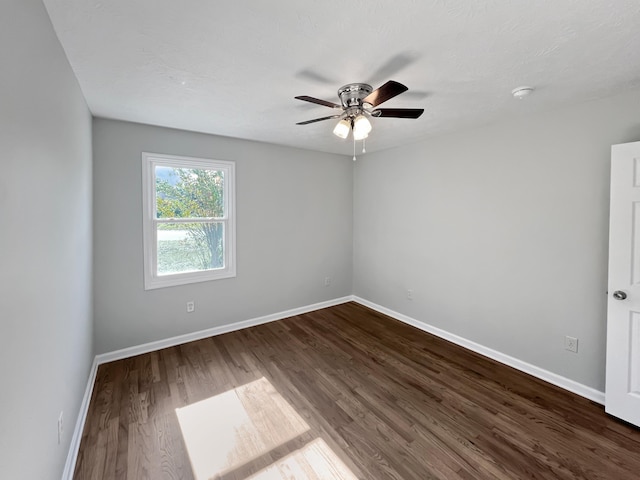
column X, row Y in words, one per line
column 398, row 112
column 318, row 119
column 384, row 93
column 307, row 98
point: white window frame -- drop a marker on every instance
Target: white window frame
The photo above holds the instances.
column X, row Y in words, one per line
column 150, row 221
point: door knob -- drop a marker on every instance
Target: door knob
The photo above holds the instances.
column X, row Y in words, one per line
column 619, row 295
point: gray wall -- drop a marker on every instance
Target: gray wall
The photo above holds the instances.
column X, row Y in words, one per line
column 46, row 333
column 501, row 232
column 294, row 226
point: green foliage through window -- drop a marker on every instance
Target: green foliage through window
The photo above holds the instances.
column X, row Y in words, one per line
column 196, row 194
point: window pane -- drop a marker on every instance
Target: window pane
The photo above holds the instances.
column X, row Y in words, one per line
column 190, row 247
column 189, row 192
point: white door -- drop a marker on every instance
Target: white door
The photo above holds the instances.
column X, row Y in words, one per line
column 623, row 311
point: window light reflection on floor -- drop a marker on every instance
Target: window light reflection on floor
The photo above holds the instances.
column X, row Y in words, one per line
column 313, row 461
column 227, row 433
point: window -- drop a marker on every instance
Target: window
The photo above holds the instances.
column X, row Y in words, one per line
column 189, row 221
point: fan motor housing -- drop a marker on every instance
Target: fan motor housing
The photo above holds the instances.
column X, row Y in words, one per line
column 351, row 95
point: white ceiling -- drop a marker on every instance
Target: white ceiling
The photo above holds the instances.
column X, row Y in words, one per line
column 232, row 68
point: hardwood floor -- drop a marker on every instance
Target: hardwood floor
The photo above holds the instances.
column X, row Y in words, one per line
column 341, row 393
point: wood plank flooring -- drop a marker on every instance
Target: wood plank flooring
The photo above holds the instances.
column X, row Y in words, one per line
column 341, row 393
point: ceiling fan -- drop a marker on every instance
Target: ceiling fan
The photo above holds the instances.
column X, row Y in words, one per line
column 359, row 101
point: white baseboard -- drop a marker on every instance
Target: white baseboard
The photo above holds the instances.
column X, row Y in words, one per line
column 550, row 377
column 212, row 332
column 72, row 456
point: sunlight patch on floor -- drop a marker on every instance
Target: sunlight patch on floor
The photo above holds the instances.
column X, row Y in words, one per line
column 315, row 461
column 225, row 432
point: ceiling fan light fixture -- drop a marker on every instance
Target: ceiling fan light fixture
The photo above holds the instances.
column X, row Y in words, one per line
column 361, row 127
column 342, row 128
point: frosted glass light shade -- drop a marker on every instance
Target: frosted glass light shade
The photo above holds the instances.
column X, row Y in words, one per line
column 361, row 127
column 342, row 128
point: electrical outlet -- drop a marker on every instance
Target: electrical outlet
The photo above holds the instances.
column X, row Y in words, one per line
column 191, row 307
column 327, row 281
column 410, row 294
column 571, row 344
column 60, row 427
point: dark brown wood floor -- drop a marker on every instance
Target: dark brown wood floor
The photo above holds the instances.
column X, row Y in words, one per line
column 341, row 393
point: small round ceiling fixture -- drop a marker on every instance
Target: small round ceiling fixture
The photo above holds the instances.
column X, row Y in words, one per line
column 521, row 92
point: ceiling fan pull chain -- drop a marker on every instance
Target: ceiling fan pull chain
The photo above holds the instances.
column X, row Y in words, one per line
column 364, row 150
column 354, row 148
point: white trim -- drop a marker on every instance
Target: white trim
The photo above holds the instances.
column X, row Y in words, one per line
column 74, row 446
column 550, row 377
column 211, row 332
